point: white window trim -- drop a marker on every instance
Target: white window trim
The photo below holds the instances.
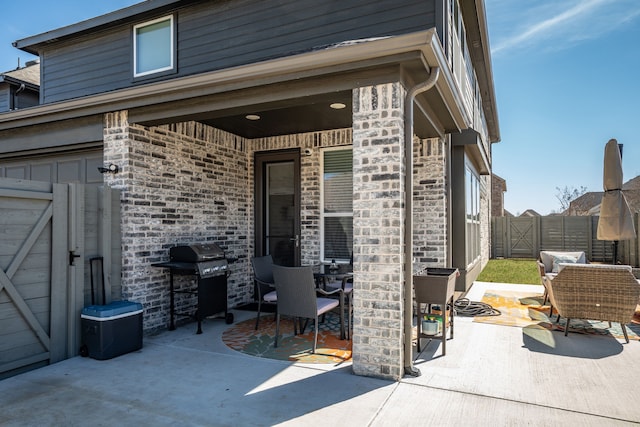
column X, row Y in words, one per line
column 324, row 215
column 135, row 47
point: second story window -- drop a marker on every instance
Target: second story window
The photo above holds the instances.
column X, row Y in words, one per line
column 153, row 47
column 337, row 204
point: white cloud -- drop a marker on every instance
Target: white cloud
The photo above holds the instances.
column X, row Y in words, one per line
column 554, row 25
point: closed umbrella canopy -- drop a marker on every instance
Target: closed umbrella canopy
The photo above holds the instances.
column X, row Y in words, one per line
column 616, row 221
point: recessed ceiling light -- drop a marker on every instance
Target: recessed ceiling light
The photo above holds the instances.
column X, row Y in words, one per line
column 252, row 117
column 337, row 105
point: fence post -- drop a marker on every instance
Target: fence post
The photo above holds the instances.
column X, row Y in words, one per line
column 636, row 242
column 507, row 245
column 590, row 238
column 537, row 236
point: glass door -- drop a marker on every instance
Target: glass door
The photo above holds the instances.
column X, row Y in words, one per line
column 278, row 206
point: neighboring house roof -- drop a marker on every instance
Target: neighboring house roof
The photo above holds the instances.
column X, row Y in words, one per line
column 507, row 213
column 584, row 203
column 632, row 184
column 29, row 75
column 530, row 212
column 589, row 203
column 633, row 198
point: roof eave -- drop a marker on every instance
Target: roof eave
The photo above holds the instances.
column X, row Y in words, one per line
column 476, row 20
column 339, row 58
column 31, row 44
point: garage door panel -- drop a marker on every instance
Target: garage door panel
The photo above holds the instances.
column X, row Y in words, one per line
column 65, row 167
column 70, row 171
column 17, row 172
column 92, row 175
column 43, row 172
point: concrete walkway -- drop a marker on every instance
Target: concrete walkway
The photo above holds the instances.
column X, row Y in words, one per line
column 491, row 375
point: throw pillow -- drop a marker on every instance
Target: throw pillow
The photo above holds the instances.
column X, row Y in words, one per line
column 565, row 259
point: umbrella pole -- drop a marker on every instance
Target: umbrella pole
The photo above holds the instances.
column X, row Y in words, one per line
column 615, row 252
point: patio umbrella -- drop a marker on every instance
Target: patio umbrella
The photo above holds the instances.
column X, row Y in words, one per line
column 616, row 220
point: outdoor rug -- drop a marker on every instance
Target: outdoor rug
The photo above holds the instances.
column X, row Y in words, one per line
column 331, row 349
column 525, row 309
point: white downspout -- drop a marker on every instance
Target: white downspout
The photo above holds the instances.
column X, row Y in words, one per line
column 409, row 369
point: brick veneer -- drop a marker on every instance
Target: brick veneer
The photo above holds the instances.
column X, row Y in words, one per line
column 378, row 217
column 181, row 184
column 429, row 204
column 188, row 182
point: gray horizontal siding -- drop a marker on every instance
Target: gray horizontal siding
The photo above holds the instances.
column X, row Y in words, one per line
column 94, row 64
column 215, row 35
column 4, row 97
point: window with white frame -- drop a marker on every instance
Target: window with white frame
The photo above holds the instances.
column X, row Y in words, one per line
column 153, row 46
column 472, row 210
column 337, row 204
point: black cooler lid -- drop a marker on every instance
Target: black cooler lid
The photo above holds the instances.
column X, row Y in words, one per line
column 196, row 252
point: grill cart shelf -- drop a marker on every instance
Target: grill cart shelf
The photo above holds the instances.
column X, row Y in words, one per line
column 209, row 265
column 436, row 287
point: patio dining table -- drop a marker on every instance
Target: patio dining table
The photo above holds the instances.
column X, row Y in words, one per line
column 327, row 273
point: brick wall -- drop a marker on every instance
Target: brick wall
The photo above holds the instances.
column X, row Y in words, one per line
column 498, row 187
column 183, row 183
column 429, row 204
column 187, row 182
column 378, row 217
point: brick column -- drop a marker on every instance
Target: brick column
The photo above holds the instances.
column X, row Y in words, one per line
column 378, row 227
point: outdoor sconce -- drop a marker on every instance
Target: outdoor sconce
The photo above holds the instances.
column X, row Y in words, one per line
column 109, row 169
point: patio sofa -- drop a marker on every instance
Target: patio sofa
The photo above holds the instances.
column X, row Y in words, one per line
column 594, row 292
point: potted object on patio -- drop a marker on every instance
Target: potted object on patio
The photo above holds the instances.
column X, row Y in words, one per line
column 431, row 324
column 434, row 290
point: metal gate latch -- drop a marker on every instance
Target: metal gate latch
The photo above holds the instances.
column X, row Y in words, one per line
column 72, row 257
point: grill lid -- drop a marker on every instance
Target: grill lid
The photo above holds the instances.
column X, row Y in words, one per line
column 196, row 252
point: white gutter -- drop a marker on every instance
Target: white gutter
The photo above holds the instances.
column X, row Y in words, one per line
column 409, row 369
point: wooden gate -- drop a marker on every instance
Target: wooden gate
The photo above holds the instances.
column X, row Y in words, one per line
column 33, row 273
column 521, row 237
column 48, row 233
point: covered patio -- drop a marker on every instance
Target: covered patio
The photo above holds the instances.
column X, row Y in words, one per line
column 491, row 375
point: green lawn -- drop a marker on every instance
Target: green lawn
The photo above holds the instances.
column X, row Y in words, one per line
column 522, row 271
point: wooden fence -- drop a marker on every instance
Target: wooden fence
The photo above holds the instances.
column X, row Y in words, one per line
column 525, row 237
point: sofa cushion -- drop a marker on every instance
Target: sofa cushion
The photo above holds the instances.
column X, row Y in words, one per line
column 628, row 268
column 551, row 259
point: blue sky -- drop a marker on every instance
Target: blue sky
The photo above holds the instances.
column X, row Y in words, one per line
column 566, row 75
column 567, row 79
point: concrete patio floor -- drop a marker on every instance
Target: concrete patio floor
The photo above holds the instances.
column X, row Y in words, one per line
column 491, row 375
